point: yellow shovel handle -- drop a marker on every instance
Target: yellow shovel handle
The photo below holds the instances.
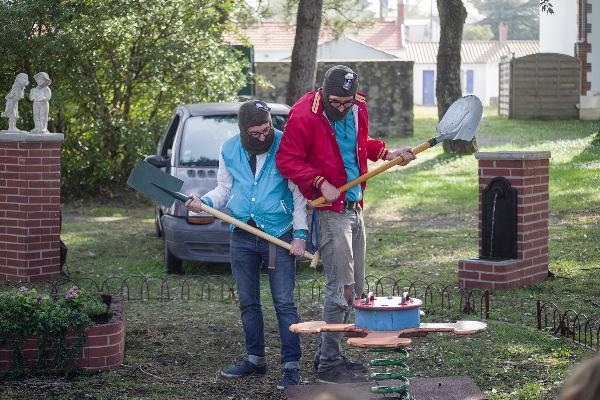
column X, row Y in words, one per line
column 248, row 228
column 370, row 174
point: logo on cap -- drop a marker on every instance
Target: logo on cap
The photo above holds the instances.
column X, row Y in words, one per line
column 261, row 105
column 348, row 81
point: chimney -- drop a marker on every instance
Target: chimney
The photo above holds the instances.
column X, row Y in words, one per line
column 400, row 13
column 502, row 32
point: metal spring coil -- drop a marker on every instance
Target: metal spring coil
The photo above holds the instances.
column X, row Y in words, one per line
column 398, row 359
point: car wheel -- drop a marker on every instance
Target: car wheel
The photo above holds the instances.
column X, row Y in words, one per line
column 173, row 265
column 157, row 224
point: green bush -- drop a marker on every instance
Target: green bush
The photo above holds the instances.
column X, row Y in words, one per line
column 25, row 313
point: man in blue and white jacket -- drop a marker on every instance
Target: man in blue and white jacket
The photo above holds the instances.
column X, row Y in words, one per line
column 250, row 185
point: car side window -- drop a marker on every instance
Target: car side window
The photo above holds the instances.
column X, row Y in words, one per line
column 167, row 146
column 279, row 121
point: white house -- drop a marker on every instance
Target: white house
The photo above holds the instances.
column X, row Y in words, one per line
column 422, row 30
column 480, row 61
column 574, row 30
column 274, row 41
column 341, row 49
column 402, row 39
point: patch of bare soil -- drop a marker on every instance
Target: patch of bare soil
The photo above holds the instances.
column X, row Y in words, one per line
column 176, row 350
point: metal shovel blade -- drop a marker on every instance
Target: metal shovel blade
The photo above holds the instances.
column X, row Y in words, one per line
column 459, row 122
column 461, row 119
column 156, row 184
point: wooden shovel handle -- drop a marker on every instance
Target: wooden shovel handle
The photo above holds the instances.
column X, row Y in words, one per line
column 370, row 174
column 248, row 228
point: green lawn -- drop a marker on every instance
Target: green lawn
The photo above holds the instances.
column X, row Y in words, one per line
column 421, row 220
column 424, row 219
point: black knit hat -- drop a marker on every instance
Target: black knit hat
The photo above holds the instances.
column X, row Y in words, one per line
column 253, row 113
column 339, row 81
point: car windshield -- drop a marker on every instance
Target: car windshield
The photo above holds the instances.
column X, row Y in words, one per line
column 202, row 139
column 203, row 136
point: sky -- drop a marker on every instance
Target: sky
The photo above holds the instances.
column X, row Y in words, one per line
column 425, row 7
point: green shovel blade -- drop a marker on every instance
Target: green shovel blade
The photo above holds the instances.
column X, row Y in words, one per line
column 156, row 184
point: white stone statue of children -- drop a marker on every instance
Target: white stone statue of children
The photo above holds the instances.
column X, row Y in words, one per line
column 40, row 95
column 11, row 111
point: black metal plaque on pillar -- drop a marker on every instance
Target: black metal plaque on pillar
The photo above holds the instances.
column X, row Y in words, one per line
column 499, row 224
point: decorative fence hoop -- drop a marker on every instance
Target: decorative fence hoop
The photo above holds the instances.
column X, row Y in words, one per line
column 309, row 290
column 426, row 292
column 570, row 324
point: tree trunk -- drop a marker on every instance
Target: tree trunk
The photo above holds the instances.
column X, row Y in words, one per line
column 303, row 69
column 452, row 19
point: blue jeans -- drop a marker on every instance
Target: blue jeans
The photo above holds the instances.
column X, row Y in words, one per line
column 248, row 254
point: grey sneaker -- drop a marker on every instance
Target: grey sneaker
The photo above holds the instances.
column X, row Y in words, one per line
column 290, row 377
column 350, row 364
column 339, row 375
column 244, row 368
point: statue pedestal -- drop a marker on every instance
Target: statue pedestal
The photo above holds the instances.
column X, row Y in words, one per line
column 443, row 388
column 29, row 206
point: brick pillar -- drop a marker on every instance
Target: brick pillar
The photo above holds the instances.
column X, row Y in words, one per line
column 583, row 46
column 527, row 173
column 29, row 206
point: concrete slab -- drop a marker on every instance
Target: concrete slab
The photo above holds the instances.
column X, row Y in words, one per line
column 443, row 388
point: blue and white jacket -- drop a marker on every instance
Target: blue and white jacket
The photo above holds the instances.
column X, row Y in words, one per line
column 273, row 202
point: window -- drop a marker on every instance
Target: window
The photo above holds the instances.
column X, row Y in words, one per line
column 469, row 81
column 203, row 136
column 202, row 139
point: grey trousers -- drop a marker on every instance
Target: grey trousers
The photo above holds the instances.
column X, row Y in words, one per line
column 342, row 246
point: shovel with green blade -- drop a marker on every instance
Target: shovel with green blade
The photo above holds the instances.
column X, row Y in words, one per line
column 164, row 189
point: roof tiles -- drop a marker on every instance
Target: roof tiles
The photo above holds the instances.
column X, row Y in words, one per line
column 473, row 51
column 269, row 35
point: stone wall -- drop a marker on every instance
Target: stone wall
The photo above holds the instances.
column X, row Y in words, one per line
column 387, row 84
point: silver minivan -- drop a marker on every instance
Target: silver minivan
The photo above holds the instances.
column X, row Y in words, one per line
column 189, row 150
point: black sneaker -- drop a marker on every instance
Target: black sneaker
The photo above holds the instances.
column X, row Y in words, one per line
column 339, row 375
column 244, row 368
column 290, row 377
column 350, row 364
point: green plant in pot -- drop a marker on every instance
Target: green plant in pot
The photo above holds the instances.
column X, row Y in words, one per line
column 26, row 313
